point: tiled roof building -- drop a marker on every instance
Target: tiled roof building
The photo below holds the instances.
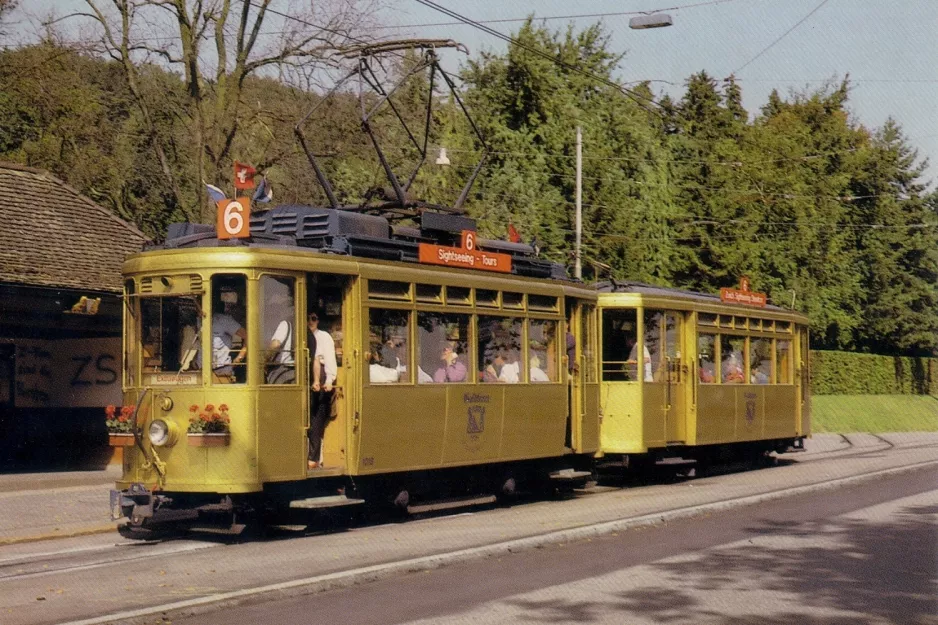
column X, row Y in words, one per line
column 51, row 235
column 60, row 320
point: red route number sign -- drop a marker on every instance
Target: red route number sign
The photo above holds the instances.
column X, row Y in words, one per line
column 467, row 256
column 234, row 218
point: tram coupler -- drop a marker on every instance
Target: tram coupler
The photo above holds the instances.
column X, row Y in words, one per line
column 136, row 503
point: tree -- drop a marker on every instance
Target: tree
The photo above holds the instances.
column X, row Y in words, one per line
column 217, row 45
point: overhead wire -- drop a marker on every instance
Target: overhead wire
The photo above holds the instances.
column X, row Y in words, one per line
column 779, row 38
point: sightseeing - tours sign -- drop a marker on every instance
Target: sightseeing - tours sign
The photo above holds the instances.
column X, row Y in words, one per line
column 466, row 256
column 743, row 295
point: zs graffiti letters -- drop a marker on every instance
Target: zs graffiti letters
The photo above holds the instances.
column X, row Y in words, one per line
column 103, row 372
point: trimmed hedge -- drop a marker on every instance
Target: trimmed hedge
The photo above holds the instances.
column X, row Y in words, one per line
column 846, row 373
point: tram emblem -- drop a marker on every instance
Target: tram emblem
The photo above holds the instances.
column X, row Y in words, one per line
column 476, row 421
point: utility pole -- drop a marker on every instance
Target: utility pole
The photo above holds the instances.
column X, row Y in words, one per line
column 578, row 267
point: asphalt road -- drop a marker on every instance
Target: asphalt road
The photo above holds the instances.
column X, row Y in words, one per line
column 866, row 553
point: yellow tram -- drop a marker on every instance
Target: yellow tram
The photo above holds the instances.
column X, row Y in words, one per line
column 686, row 374
column 199, row 318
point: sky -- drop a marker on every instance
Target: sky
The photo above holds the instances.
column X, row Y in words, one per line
column 888, row 47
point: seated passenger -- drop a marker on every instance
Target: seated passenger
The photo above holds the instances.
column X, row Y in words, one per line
column 732, row 370
column 537, row 374
column 378, row 373
column 510, row 372
column 451, row 369
column 707, row 373
column 758, row 376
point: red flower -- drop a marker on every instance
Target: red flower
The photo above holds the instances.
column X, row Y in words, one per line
column 223, row 407
column 194, row 408
column 122, row 419
column 209, row 408
column 110, row 410
column 127, row 410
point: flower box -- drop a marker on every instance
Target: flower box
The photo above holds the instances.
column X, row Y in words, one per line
column 209, row 440
column 120, row 439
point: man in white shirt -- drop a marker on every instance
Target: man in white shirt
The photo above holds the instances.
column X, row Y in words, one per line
column 324, row 373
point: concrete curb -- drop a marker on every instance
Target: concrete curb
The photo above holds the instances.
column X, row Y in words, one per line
column 346, row 579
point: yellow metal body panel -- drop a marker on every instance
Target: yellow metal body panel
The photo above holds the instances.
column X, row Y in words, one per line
column 623, row 427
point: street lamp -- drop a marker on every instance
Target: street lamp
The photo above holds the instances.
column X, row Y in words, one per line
column 655, row 20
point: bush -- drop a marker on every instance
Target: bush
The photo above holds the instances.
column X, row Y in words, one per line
column 845, row 373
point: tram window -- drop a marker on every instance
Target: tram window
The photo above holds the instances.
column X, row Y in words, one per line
column 587, row 339
column 442, row 342
column 620, row 338
column 783, row 362
column 732, row 366
column 458, row 295
column 487, row 297
column 430, row 293
column 389, row 353
column 726, row 321
column 760, row 361
column 499, row 349
column 514, row 301
column 542, row 357
column 382, row 289
column 229, row 338
column 279, row 329
column 654, row 359
column 547, row 303
column 755, row 324
column 706, row 319
column 783, row 326
column 706, row 358
column 169, row 335
column 768, row 325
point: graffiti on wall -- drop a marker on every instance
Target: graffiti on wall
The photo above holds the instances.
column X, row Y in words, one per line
column 68, row 373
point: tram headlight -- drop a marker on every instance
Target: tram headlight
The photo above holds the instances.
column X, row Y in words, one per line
column 162, row 433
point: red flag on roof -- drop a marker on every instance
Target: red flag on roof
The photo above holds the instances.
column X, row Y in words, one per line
column 243, row 176
column 513, row 235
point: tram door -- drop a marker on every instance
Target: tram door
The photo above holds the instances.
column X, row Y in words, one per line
column 583, row 419
column 664, row 348
column 327, row 296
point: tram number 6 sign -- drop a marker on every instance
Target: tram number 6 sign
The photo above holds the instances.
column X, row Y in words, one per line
column 234, row 218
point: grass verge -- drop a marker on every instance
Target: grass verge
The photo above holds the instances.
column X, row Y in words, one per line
column 874, row 413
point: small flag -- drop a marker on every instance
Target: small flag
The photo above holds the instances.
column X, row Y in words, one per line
column 244, row 176
column 214, row 193
column 513, row 235
column 264, row 192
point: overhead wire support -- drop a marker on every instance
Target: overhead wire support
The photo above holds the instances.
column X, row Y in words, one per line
column 401, row 205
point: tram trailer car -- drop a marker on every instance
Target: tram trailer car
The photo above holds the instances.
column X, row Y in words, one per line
column 398, row 430
column 686, row 375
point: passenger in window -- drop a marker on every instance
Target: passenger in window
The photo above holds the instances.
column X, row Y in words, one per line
column 378, row 373
column 224, row 331
column 758, row 376
column 707, row 371
column 733, row 369
column 537, row 374
column 282, row 365
column 452, row 368
column 510, row 372
column 633, row 359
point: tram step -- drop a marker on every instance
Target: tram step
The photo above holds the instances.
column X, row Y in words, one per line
column 569, row 474
column 333, row 501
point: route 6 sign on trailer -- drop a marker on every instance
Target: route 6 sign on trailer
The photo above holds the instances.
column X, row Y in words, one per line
column 233, row 218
